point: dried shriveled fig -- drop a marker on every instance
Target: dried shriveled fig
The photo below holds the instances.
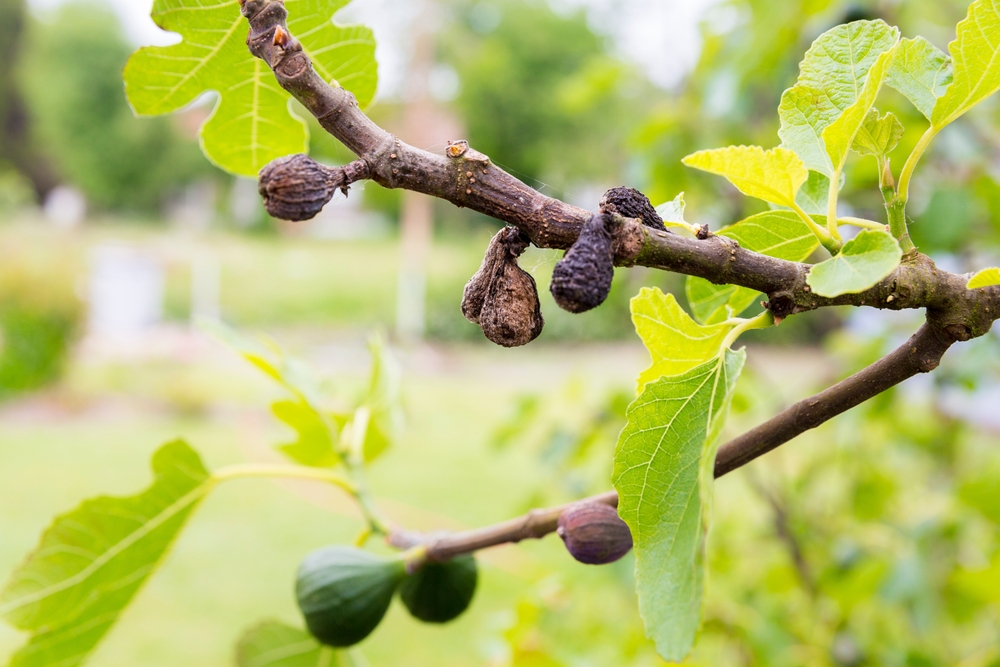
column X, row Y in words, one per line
column 502, row 298
column 297, row 187
column 594, row 534
column 630, row 203
column 582, row 278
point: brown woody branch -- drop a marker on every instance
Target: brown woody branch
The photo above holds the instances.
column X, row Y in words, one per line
column 469, row 179
column 920, row 354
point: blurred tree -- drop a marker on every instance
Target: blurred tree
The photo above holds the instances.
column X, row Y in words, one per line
column 539, row 92
column 71, row 78
column 15, row 146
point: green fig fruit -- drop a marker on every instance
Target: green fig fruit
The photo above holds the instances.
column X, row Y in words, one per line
column 344, row 592
column 440, row 592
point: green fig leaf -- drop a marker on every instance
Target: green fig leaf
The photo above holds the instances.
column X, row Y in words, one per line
column 866, row 259
column 780, row 234
column 672, row 212
column 921, row 72
column 774, row 176
column 879, row 135
column 664, row 469
column 316, row 438
column 675, row 342
column 976, row 56
column 273, row 644
column 833, row 78
column 92, row 561
column 252, row 123
column 985, row 278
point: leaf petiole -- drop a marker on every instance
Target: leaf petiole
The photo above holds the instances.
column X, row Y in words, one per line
column 863, row 223
column 762, row 321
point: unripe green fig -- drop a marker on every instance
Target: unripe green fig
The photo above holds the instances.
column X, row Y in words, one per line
column 344, row 592
column 440, row 592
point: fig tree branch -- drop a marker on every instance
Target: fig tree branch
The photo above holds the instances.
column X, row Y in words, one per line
column 469, row 179
column 920, row 354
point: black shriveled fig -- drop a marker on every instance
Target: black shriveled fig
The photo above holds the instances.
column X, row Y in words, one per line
column 502, row 298
column 630, row 203
column 582, row 278
column 440, row 592
column 297, row 187
column 344, row 592
column 594, row 534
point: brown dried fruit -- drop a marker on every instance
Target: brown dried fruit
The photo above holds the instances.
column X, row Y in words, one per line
column 582, row 278
column 502, row 298
column 594, row 534
column 297, row 187
column 630, row 203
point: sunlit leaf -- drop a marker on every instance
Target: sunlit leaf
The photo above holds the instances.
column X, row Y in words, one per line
column 815, row 193
column 675, row 342
column 91, row 562
column 985, row 278
column 879, row 135
column 840, row 136
column 273, row 644
column 866, row 259
column 832, row 78
column 663, row 472
column 780, row 234
column 385, row 412
column 315, row 445
column 921, row 72
column 976, row 57
column 672, row 212
column 252, row 123
column 774, row 176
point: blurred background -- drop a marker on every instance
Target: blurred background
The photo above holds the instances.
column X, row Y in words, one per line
column 872, row 541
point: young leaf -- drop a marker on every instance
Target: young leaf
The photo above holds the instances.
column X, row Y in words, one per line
column 866, row 259
column 675, row 341
column 879, row 135
column 273, row 644
column 976, row 54
column 921, row 72
column 713, row 304
column 91, row 562
column 663, row 472
column 774, row 176
column 672, row 212
column 382, row 403
column 814, row 195
column 832, row 77
column 252, row 123
column 780, row 234
column 316, row 441
column 985, row 278
column 839, row 137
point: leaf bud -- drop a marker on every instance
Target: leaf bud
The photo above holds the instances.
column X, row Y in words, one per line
column 594, row 534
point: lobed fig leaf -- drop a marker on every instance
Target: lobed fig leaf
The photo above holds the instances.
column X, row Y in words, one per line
column 441, row 592
column 344, row 592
